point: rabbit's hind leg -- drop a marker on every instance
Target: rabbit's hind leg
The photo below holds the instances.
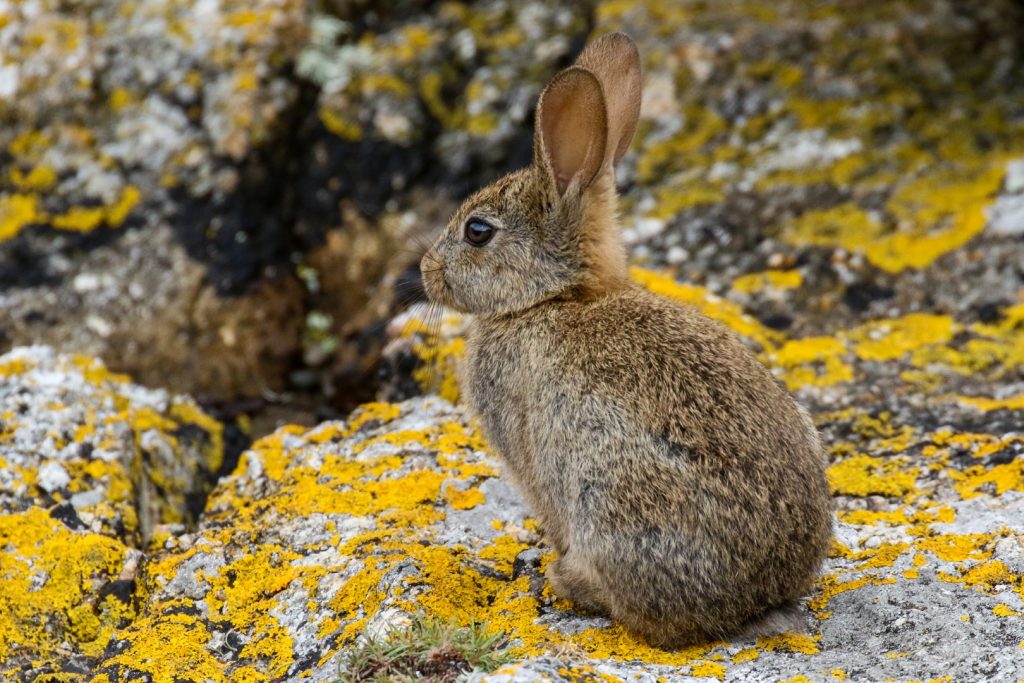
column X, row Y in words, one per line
column 571, row 581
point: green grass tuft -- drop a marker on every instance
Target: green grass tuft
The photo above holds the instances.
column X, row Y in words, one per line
column 425, row 650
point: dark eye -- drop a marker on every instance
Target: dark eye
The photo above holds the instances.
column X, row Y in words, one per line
column 478, row 233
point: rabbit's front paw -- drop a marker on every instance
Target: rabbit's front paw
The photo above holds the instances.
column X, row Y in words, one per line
column 572, row 585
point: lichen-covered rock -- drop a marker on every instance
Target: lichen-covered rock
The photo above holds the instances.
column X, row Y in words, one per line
column 929, row 486
column 339, row 532
column 135, row 135
column 457, row 83
column 416, row 106
column 823, row 164
column 90, row 465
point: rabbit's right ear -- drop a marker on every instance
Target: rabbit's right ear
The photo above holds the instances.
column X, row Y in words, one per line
column 571, row 131
column 615, row 60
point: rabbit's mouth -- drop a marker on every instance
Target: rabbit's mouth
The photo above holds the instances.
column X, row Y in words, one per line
column 434, row 282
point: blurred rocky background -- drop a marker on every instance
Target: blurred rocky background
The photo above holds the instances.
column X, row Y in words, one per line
column 228, row 199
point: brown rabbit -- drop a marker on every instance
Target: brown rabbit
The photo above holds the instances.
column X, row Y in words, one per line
column 682, row 487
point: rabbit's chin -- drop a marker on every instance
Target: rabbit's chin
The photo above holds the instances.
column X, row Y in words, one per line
column 437, row 289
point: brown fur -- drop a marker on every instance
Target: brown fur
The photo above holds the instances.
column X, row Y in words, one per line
column 682, row 487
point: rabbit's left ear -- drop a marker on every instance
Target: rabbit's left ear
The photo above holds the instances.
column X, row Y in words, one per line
column 570, row 137
column 615, row 60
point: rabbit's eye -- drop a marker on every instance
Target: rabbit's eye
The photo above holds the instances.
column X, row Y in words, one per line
column 478, row 233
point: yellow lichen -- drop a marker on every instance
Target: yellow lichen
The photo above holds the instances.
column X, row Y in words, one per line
column 51, row 577
column 464, row 500
column 885, row 340
column 790, row 642
column 18, row 211
column 340, row 125
column 865, row 475
column 708, row 670
column 166, row 647
column 985, row 575
column 774, row 279
column 812, row 361
column 1002, row 610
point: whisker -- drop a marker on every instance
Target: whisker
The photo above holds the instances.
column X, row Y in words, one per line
column 418, row 239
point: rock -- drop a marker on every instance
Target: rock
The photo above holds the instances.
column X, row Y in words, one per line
column 252, row 181
column 89, row 465
column 838, row 187
column 414, row 109
column 136, row 222
column 1006, row 216
column 324, row 535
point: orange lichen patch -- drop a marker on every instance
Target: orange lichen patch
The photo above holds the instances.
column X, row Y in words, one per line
column 247, row 605
column 40, row 179
column 710, row 305
column 811, row 361
column 52, row 578
column 339, row 124
column 96, row 373
column 747, row 655
column 768, row 279
column 846, row 225
column 881, row 430
column 885, row 555
column 84, row 219
column 865, row 475
column 18, row 211
column 883, row 340
column 799, row 678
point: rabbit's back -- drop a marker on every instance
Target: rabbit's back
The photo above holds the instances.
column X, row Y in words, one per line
column 659, row 453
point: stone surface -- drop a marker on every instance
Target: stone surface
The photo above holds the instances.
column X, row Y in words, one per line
column 839, row 183
column 91, row 467
column 249, row 179
column 137, row 219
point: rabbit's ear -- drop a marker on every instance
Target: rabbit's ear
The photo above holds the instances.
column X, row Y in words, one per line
column 571, row 132
column 614, row 59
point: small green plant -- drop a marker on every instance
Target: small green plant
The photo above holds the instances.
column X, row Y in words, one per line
column 425, row 650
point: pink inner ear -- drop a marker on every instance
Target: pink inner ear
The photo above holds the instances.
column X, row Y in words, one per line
column 572, row 143
column 573, row 128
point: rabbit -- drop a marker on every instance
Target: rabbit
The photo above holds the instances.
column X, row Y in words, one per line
column 682, row 488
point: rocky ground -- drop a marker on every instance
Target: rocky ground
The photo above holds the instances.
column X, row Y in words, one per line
column 225, row 199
